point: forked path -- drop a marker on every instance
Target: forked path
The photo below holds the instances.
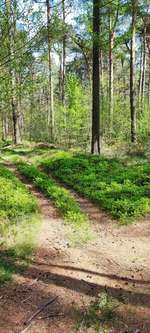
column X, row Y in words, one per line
column 116, row 261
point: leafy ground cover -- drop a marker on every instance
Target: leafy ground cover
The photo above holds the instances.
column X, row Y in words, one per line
column 105, row 313
column 121, row 189
column 98, row 314
column 119, row 186
column 61, row 198
column 18, row 220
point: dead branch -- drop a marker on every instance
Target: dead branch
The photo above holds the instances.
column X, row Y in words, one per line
column 26, row 299
column 40, row 310
column 51, row 315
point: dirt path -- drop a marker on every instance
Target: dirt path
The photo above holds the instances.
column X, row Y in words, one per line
column 116, row 261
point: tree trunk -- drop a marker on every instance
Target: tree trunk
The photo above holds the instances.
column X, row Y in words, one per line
column 95, row 143
column 32, row 103
column 11, row 12
column 63, row 54
column 111, row 74
column 101, row 77
column 149, row 78
column 4, row 126
column 141, row 73
column 19, row 108
column 144, row 69
column 60, row 76
column 132, row 74
column 50, row 92
column 101, row 67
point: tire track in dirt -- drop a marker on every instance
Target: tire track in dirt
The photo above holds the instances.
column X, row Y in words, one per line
column 75, row 275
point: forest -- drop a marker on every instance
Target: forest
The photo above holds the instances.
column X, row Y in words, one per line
column 75, row 166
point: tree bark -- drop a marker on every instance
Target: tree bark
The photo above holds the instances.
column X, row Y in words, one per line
column 95, row 143
column 101, row 81
column 11, row 12
column 132, row 74
column 19, row 108
column 4, row 121
column 144, row 69
column 32, row 103
column 149, row 78
column 60, row 75
column 111, row 76
column 63, row 54
column 101, row 66
column 141, row 74
column 50, row 118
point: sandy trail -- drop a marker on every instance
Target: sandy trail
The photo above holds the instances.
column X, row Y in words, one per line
column 117, row 260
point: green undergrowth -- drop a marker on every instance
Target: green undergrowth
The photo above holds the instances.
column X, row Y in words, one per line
column 122, row 189
column 97, row 317
column 33, row 153
column 69, row 208
column 119, row 186
column 18, row 223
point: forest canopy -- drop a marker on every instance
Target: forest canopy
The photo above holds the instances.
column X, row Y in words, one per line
column 75, row 71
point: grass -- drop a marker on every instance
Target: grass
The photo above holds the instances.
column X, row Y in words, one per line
column 18, row 223
column 10, row 265
column 69, row 208
column 24, row 151
column 97, row 315
column 6, row 271
column 122, row 189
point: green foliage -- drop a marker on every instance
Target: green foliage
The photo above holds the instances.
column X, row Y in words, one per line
column 143, row 124
column 100, row 311
column 15, row 200
column 66, row 204
column 122, row 190
column 18, row 222
column 6, row 271
column 73, row 119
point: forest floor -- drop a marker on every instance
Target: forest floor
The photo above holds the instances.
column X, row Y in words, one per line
column 114, row 263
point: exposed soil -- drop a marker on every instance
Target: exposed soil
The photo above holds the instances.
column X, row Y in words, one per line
column 117, row 260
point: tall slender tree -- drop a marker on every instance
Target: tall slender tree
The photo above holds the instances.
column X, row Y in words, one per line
column 63, row 52
column 144, row 67
column 11, row 13
column 132, row 72
column 111, row 73
column 50, row 88
column 95, row 143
